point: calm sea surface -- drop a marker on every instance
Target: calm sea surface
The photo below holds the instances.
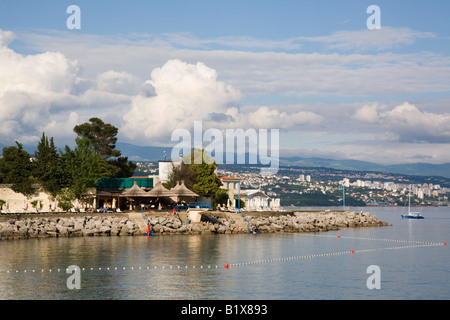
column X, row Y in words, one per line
column 412, row 260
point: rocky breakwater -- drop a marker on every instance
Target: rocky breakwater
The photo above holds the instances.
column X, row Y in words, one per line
column 212, row 222
column 44, row 227
column 315, row 221
column 305, row 221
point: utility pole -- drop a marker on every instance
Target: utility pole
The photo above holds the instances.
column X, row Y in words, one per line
column 342, row 187
column 239, row 196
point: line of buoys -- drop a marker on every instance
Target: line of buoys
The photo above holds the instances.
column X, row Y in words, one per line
column 371, row 239
column 64, row 270
column 227, row 265
column 351, row 251
column 289, row 258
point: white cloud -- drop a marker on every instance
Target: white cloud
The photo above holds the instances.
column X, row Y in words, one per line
column 28, row 140
column 183, row 93
column 367, row 113
column 30, row 86
column 295, row 73
column 269, row 117
column 78, row 75
column 188, row 40
column 45, row 92
column 118, row 82
column 380, row 39
column 6, row 37
column 405, row 122
column 61, row 125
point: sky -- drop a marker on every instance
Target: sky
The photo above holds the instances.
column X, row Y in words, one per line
column 311, row 69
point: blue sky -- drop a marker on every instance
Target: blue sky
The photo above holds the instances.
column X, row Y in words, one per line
column 262, row 19
column 309, row 68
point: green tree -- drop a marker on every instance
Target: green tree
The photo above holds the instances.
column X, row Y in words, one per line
column 124, row 168
column 17, row 168
column 197, row 170
column 101, row 135
column 221, row 197
column 82, row 167
column 47, row 169
column 206, row 181
column 181, row 172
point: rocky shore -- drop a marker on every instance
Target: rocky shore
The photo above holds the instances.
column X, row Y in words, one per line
column 75, row 225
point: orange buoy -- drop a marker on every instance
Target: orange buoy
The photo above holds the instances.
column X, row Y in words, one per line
column 339, row 236
column 352, row 251
column 445, row 243
column 226, row 265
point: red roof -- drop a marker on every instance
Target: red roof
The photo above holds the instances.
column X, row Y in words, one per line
column 227, row 178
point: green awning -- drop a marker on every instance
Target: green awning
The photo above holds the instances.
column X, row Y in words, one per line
column 124, row 183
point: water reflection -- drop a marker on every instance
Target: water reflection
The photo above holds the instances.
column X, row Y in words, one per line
column 405, row 273
column 154, row 267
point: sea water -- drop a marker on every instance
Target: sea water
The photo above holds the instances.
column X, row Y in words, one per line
column 413, row 264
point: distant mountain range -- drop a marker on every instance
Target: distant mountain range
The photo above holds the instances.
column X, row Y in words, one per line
column 137, row 153
column 418, row 169
column 147, row 153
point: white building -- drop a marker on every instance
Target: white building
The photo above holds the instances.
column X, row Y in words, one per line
column 17, row 203
column 254, row 199
column 346, row 182
column 165, row 168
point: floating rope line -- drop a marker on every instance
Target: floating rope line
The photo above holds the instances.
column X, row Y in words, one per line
column 88, row 269
column 377, row 239
column 414, row 244
column 351, row 251
column 310, row 256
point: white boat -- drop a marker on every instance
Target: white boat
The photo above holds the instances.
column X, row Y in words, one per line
column 411, row 215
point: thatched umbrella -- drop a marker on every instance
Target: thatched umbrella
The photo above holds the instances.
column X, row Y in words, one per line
column 135, row 191
column 180, row 190
column 159, row 191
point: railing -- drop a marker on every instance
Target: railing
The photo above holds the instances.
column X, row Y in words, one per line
column 201, row 205
column 149, row 225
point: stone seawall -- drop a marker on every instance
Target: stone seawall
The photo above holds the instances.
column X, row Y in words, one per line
column 65, row 225
column 131, row 224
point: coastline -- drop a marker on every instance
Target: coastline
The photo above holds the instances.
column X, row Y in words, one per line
column 27, row 226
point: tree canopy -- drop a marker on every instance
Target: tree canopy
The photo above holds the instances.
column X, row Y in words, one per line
column 47, row 168
column 197, row 170
column 16, row 168
column 101, row 135
column 66, row 173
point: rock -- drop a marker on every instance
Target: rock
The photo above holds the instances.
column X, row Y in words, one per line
column 197, row 227
column 105, row 225
column 125, row 231
column 106, row 230
column 276, row 226
column 87, row 232
column 50, row 228
column 62, row 230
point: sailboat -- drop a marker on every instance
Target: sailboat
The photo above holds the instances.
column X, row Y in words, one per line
column 411, row 215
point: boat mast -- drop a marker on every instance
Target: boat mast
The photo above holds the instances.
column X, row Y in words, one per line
column 409, row 200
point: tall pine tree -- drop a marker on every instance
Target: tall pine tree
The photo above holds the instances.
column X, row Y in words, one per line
column 82, row 167
column 48, row 162
column 17, row 168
